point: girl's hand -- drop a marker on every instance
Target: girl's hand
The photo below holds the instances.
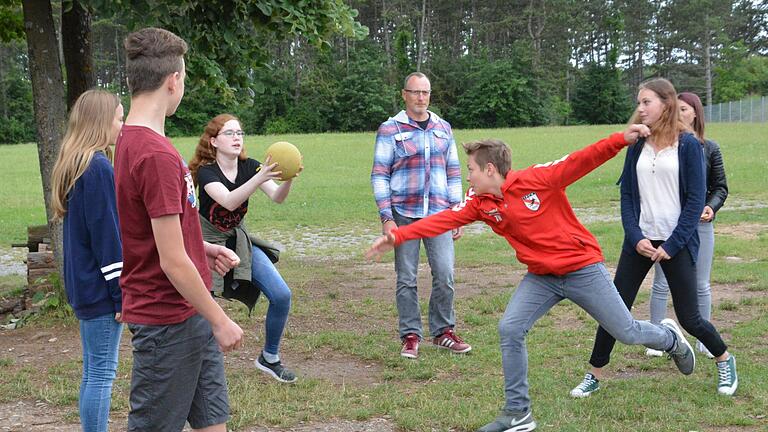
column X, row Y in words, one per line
column 707, row 214
column 660, row 254
column 265, row 171
column 636, row 131
column 119, row 317
column 645, row 248
column 382, row 245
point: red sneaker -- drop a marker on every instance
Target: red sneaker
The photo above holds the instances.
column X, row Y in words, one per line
column 450, row 340
column 410, row 346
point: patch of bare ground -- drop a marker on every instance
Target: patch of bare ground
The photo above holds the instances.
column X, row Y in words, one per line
column 373, row 425
column 746, row 230
column 377, row 281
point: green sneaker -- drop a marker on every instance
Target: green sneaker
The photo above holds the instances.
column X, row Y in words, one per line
column 727, row 379
column 589, row 385
column 511, row 421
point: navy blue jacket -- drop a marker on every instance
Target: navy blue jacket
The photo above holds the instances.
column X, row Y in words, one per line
column 692, row 194
column 93, row 256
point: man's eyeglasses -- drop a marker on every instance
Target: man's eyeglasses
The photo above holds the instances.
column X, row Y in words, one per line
column 230, row 133
column 424, row 93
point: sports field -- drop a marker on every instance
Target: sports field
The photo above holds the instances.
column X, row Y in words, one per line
column 342, row 336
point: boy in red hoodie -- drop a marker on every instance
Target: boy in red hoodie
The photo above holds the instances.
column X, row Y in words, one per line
column 530, row 209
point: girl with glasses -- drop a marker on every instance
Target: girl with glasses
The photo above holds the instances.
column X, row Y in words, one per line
column 227, row 178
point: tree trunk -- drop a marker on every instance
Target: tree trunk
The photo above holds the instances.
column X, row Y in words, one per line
column 385, row 31
column 48, row 100
column 420, row 58
column 708, row 66
column 76, row 40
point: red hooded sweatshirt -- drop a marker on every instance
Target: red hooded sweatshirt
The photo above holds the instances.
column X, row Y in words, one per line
column 534, row 214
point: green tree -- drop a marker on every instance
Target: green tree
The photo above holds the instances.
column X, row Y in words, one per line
column 499, row 95
column 600, row 96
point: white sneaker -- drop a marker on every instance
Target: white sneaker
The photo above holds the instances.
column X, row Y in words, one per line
column 650, row 352
column 702, row 349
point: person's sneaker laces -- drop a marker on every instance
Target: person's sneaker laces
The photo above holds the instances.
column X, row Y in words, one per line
column 650, row 352
column 451, row 341
column 410, row 346
column 275, row 370
column 702, row 349
column 511, row 421
column 727, row 379
column 588, row 385
column 681, row 351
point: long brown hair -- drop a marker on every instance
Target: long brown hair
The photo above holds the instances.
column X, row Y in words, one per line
column 89, row 130
column 698, row 122
column 205, row 153
column 667, row 128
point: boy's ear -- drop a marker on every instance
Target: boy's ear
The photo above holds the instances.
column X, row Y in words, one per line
column 172, row 81
column 490, row 168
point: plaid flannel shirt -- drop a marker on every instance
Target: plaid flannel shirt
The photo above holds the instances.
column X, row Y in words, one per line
column 415, row 171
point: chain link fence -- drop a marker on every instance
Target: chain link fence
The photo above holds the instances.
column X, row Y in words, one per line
column 753, row 109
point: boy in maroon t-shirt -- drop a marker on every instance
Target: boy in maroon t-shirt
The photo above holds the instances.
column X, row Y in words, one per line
column 179, row 331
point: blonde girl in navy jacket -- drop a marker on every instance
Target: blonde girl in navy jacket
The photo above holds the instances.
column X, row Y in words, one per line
column 83, row 195
column 662, row 198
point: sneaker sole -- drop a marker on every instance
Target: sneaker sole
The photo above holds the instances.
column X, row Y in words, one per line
column 522, row 428
column 272, row 373
column 410, row 356
column 453, row 350
column 582, row 394
column 681, row 337
column 650, row 352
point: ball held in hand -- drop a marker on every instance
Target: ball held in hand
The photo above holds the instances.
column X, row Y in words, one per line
column 288, row 159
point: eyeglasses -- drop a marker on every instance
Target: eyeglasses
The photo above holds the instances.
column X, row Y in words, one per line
column 230, row 133
column 424, row 93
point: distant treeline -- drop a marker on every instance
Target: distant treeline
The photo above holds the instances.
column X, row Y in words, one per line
column 492, row 64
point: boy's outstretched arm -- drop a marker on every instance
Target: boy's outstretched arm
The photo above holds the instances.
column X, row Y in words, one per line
column 565, row 171
column 431, row 226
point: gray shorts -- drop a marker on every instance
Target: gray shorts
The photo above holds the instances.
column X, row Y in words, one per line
column 178, row 376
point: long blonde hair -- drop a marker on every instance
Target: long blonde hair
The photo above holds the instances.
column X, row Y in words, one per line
column 668, row 127
column 205, row 153
column 89, row 130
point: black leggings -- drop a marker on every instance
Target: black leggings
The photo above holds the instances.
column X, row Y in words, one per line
column 680, row 272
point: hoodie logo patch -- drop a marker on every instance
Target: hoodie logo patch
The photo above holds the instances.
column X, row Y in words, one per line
column 532, row 201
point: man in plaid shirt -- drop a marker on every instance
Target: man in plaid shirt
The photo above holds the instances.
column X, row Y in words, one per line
column 416, row 173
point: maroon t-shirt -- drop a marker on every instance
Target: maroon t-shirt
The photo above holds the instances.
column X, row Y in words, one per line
column 152, row 180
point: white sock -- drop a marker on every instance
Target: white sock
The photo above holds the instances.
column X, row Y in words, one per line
column 270, row 358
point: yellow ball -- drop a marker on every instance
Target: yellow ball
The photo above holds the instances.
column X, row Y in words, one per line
column 288, row 159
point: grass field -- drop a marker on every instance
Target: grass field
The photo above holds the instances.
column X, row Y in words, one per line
column 342, row 331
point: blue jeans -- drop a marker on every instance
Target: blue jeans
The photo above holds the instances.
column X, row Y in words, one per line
column 590, row 288
column 660, row 289
column 265, row 276
column 440, row 257
column 100, row 337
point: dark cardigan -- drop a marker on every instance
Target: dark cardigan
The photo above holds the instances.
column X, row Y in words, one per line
column 692, row 194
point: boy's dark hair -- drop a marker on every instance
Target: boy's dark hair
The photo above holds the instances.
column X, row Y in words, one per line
column 151, row 55
column 491, row 151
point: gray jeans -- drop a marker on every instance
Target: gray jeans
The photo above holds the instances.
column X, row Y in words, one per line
column 440, row 256
column 660, row 290
column 592, row 289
